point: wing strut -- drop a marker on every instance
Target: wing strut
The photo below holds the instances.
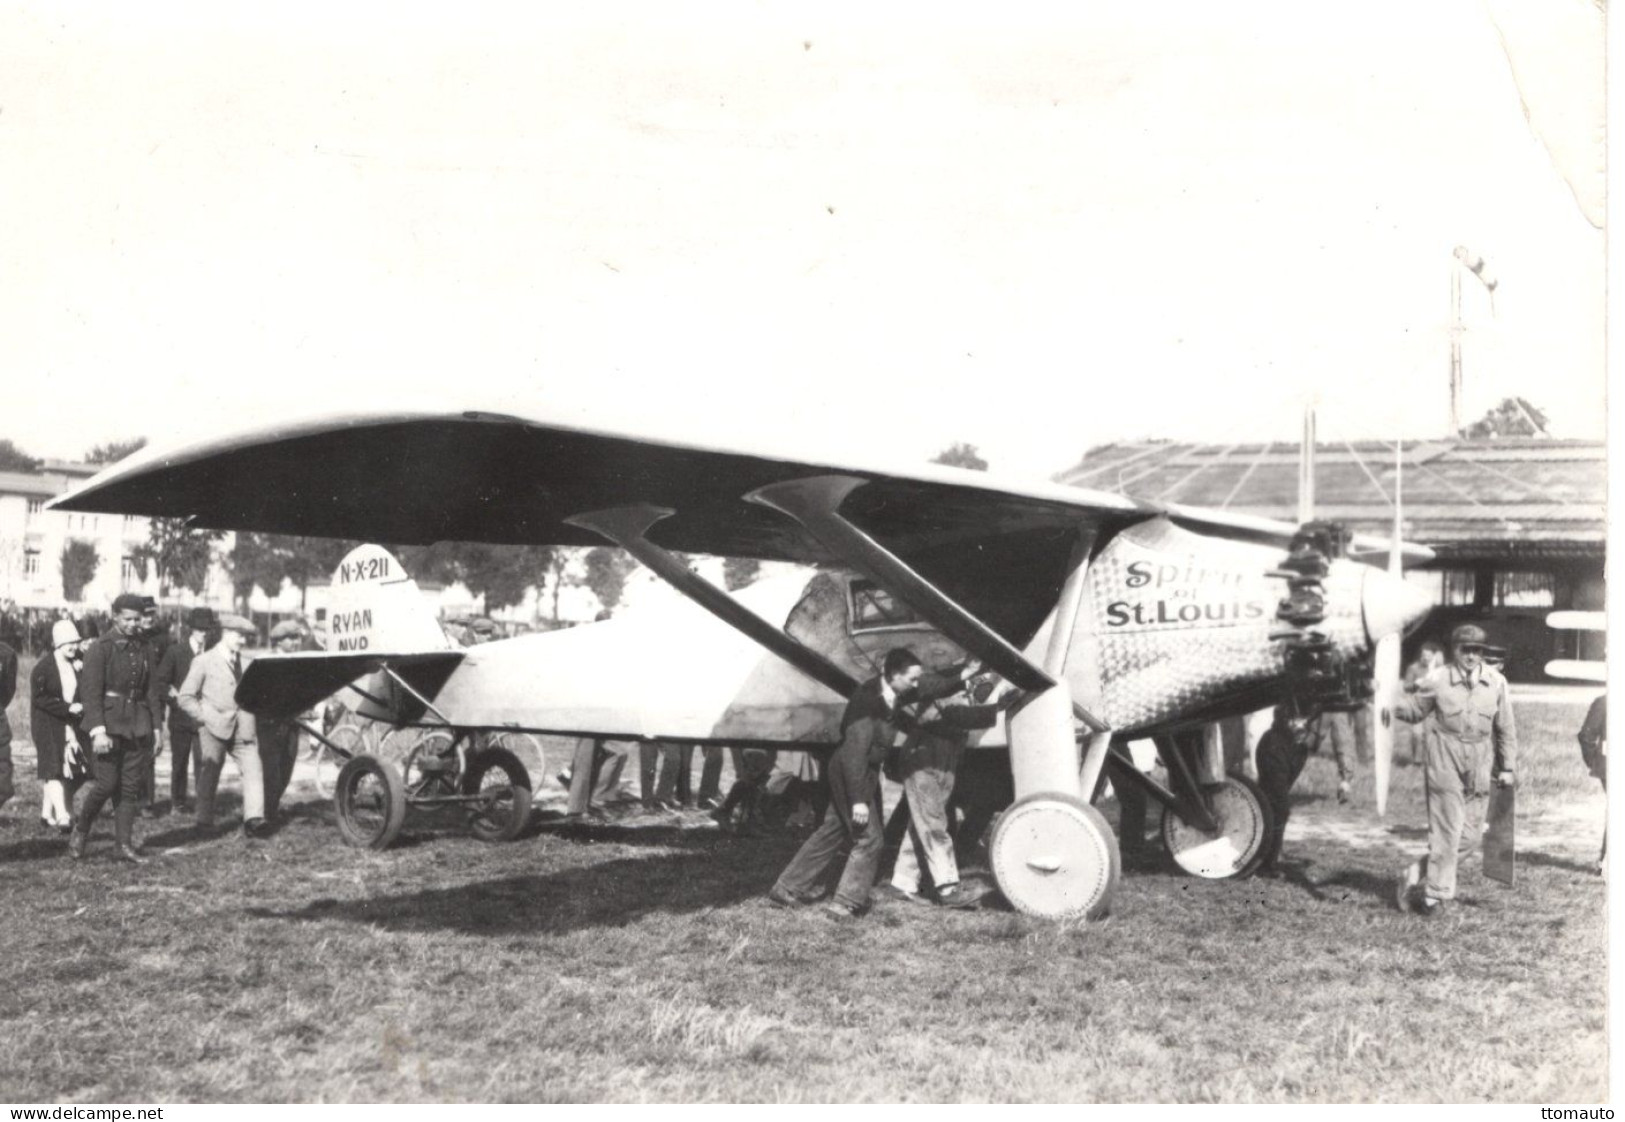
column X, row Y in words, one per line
column 815, row 501
column 626, row 527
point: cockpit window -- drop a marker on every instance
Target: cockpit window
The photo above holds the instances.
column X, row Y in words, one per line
column 873, row 608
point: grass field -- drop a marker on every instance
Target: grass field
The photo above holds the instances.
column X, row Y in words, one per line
column 641, row 963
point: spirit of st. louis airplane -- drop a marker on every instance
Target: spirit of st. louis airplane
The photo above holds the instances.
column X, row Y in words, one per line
column 1115, row 618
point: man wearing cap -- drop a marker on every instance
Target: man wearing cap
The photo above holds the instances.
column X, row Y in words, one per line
column 157, row 637
column 209, row 697
column 119, row 690
column 1470, row 737
column 172, row 670
column 279, row 739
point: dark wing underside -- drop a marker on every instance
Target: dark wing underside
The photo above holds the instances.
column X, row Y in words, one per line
column 999, row 549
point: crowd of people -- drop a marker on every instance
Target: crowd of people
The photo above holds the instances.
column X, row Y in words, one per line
column 106, row 700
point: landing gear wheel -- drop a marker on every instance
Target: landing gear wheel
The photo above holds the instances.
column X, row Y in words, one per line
column 327, row 763
column 370, row 797
column 500, row 779
column 1235, row 849
column 527, row 747
column 1054, row 856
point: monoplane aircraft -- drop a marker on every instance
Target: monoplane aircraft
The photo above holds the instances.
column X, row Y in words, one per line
column 1117, row 618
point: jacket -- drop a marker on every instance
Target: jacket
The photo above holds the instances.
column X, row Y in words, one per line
column 172, row 669
column 1466, row 709
column 48, row 717
column 209, row 697
column 869, row 728
column 119, row 689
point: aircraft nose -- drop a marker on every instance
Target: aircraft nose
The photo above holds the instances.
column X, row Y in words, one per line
column 1391, row 605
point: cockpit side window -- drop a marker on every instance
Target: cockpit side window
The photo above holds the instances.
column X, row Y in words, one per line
column 874, row 608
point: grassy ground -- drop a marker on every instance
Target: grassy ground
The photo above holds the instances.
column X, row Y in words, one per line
column 641, row 963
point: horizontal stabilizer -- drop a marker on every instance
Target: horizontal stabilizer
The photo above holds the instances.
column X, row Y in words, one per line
column 284, row 685
column 1577, row 621
column 1577, row 669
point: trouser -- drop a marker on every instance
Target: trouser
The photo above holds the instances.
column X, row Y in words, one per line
column 810, row 868
column 116, row 775
column 184, row 753
column 676, row 773
column 247, row 755
column 279, row 749
column 710, row 772
column 1280, row 762
column 1337, row 732
column 149, row 774
column 929, row 841
column 1457, row 796
column 648, row 765
column 595, row 775
column 6, row 789
column 608, row 766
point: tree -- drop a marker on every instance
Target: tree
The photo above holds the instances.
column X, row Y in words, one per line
column 115, row 450
column 737, row 572
column 607, row 571
column 1515, row 416
column 502, row 574
column 961, row 455
column 13, row 458
column 181, row 555
column 268, row 560
column 79, row 562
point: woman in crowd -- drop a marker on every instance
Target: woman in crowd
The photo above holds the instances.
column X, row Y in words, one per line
column 54, row 722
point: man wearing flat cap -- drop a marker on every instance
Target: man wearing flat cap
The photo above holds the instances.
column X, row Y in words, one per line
column 1470, row 739
column 279, row 739
column 209, row 697
column 119, row 689
column 173, row 667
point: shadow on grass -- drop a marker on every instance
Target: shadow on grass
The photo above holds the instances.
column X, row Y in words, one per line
column 708, row 872
column 1339, row 885
column 1549, row 861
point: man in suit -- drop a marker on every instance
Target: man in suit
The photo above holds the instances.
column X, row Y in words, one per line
column 209, row 697
column 119, row 690
column 279, row 739
column 869, row 728
column 172, row 670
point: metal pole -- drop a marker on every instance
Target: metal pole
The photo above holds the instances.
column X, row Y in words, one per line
column 1455, row 346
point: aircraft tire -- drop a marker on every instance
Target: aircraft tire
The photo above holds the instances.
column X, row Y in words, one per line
column 528, row 748
column 327, row 763
column 1244, row 820
column 1053, row 855
column 508, row 813
column 370, row 798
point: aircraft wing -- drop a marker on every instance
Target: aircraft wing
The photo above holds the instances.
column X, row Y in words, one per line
column 281, row 685
column 412, row 478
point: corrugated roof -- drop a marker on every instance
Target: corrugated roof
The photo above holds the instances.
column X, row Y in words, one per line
column 1524, row 490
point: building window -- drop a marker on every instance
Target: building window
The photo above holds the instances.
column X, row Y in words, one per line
column 1525, row 590
column 31, row 563
column 35, row 506
column 126, row 571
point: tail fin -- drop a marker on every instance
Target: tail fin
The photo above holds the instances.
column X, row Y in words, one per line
column 375, row 606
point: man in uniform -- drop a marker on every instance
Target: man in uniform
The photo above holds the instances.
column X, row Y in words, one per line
column 279, row 739
column 868, row 729
column 1471, row 736
column 156, row 636
column 119, row 688
column 172, row 671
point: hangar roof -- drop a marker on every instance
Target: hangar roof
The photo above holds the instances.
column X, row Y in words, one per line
column 1509, row 499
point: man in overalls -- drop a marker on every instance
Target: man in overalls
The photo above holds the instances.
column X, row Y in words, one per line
column 1471, row 734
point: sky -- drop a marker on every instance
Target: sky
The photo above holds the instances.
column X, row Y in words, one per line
column 825, row 228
